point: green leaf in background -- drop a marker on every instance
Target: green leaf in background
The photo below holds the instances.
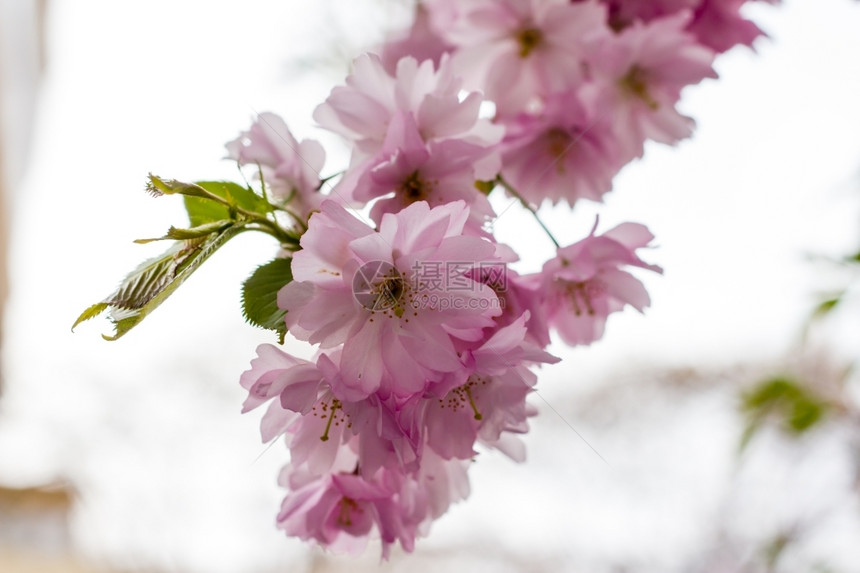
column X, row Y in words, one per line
column 825, row 306
column 260, row 296
column 796, row 406
column 145, row 288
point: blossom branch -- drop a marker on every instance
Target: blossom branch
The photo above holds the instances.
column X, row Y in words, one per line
column 510, row 189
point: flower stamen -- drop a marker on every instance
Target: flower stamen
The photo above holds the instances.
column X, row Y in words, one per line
column 529, row 39
column 635, row 82
column 335, row 406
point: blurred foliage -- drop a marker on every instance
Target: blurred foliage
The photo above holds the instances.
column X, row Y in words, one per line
column 799, row 404
column 796, row 406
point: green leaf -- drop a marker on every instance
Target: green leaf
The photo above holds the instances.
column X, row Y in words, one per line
column 826, row 306
column 158, row 186
column 238, row 196
column 204, row 211
column 804, row 415
column 145, row 288
column 796, row 406
column 210, row 201
column 260, row 296
column 91, row 312
column 769, row 392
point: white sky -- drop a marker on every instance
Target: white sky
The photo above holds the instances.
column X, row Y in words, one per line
column 159, row 86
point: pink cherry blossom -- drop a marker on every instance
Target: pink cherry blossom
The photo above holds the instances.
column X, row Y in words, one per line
column 362, row 110
column 327, row 417
column 403, row 335
column 584, row 283
column 639, row 75
column 717, row 24
column 519, row 296
column 422, row 42
column 341, row 510
column 623, row 13
column 291, row 170
column 519, row 50
column 567, row 151
column 439, row 172
column 492, row 398
column 720, row 26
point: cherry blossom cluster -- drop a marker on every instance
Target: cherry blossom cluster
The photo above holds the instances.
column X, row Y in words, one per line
column 426, row 339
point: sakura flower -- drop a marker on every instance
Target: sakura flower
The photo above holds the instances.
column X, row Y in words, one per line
column 439, row 172
column 717, row 24
column 518, row 296
column 623, row 13
column 402, row 121
column 290, row 170
column 341, row 510
column 639, row 75
column 322, row 416
column 584, row 283
column 519, row 50
column 568, row 151
column 362, row 110
column 422, row 42
column 720, row 26
column 400, row 333
column 491, row 400
column 430, row 491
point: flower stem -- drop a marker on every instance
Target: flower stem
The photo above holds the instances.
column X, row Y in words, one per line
column 510, row 189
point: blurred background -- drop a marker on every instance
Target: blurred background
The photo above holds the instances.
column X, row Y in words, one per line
column 718, row 433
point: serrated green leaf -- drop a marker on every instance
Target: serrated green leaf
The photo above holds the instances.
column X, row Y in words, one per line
column 152, row 282
column 91, row 312
column 260, row 296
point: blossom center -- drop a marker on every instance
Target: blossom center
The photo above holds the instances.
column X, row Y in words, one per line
column 581, row 294
column 333, row 412
column 461, row 397
column 635, row 82
column 348, row 506
column 386, row 291
column 558, row 142
column 529, row 39
column 414, row 188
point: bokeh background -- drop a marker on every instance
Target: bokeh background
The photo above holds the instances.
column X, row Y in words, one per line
column 132, row 456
